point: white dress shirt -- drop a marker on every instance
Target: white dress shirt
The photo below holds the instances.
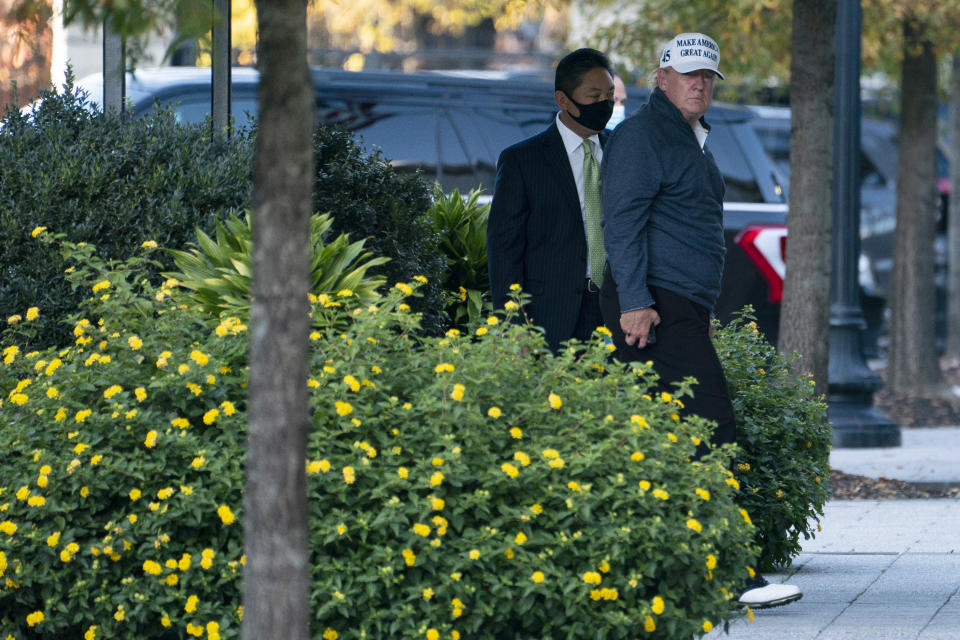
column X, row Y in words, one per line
column 572, row 142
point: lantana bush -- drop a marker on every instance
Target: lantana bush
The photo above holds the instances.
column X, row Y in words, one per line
column 783, row 462
column 470, row 485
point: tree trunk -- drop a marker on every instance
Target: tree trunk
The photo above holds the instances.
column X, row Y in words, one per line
column 805, row 310
column 277, row 575
column 913, row 367
column 953, row 218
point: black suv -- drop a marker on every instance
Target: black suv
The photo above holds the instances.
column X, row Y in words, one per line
column 453, row 126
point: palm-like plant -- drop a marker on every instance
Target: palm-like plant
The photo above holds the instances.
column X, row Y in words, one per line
column 461, row 223
column 218, row 270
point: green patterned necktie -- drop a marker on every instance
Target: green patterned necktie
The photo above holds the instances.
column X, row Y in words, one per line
column 593, row 211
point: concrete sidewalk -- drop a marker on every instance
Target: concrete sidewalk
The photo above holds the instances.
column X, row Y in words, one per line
column 880, row 569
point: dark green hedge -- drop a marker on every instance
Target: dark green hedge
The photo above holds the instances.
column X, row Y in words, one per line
column 111, row 181
column 116, row 182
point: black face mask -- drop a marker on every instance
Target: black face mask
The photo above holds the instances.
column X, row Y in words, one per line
column 593, row 116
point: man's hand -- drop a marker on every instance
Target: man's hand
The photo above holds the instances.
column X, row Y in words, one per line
column 636, row 325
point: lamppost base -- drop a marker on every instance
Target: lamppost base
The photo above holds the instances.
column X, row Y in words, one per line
column 860, row 424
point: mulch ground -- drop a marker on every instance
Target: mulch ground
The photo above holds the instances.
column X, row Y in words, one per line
column 907, row 411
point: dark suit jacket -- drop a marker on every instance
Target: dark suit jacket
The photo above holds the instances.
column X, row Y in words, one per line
column 535, row 234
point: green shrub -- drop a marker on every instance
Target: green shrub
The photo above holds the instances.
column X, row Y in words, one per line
column 110, row 181
column 530, row 472
column 462, row 225
column 218, row 271
column 783, row 464
column 370, row 199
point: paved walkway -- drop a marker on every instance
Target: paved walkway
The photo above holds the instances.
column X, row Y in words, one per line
column 880, row 569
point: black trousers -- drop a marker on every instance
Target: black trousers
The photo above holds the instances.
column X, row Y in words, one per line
column 590, row 316
column 683, row 348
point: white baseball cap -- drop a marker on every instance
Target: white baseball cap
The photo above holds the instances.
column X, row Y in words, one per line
column 691, row 52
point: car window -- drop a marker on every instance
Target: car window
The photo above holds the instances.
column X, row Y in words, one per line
column 737, row 174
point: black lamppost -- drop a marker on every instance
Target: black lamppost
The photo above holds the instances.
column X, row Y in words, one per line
column 856, row 422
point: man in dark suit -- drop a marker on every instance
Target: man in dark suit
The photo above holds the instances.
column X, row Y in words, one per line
column 544, row 232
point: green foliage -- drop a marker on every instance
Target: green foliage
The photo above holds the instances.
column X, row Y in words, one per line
column 519, row 463
column 783, row 464
column 218, row 271
column 125, row 447
column 114, row 182
column 462, row 225
column 370, row 199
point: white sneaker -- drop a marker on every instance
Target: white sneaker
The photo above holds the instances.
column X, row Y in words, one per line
column 760, row 594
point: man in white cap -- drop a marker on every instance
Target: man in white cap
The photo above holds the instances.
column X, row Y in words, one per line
column 663, row 231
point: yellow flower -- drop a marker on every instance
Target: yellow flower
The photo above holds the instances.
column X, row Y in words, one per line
column 437, row 504
column 8, row 527
column 555, row 401
column 199, row 357
column 592, row 577
column 746, row 517
column 693, row 524
column 703, row 493
column 228, row 408
column 433, row 634
column 135, row 494
column 341, row 529
column 443, row 366
column 657, row 605
column 482, row 331
column 536, row 508
column 537, row 577
column 711, row 561
column 37, row 231
column 198, row 462
column 226, row 515
column 457, row 393
column 744, row 466
column 637, row 456
column 330, row 634
column 82, row 415
column 649, row 625
column 351, row 382
column 135, row 342
column 436, row 479
column 404, row 287
column 516, row 433
column 409, row 557
column 707, row 626
column 520, row 538
column 343, row 408
column 103, row 284
column 733, row 483
column 660, row 493
column 210, row 416
column 349, row 475
column 90, row 633
column 403, row 472
column 493, row 321
column 494, row 412
column 151, row 440
column 573, row 486
column 151, row 567
column 522, row 458
column 52, row 540
column 35, row 618
column 474, row 554
column 191, row 604
column 427, row 593
column 509, row 469
column 32, row 313
column 421, row 529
